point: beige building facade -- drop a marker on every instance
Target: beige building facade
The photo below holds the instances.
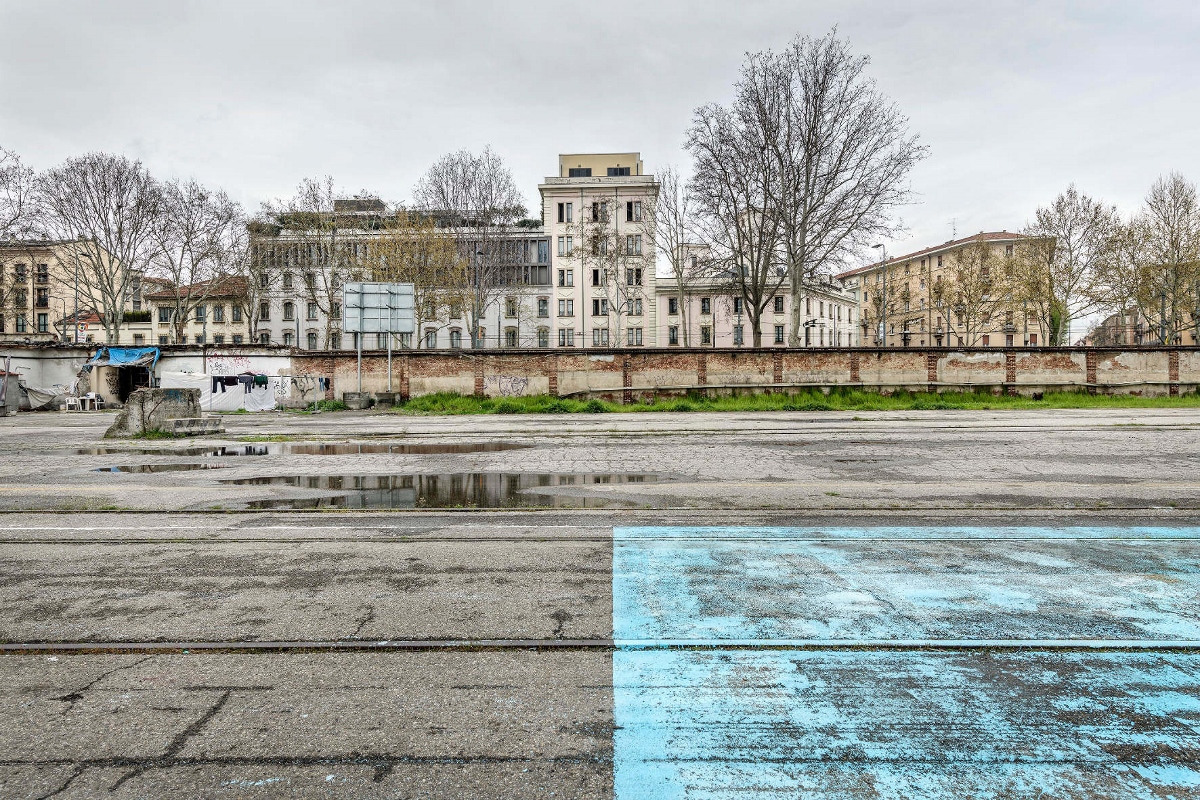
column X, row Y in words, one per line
column 941, row 297
column 598, row 214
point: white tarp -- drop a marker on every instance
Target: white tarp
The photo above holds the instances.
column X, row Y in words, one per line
column 234, row 398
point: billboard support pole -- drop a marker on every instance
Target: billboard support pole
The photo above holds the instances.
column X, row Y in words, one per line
column 389, row 340
column 358, row 346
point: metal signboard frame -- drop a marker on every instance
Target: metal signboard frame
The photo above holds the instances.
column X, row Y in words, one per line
column 387, row 308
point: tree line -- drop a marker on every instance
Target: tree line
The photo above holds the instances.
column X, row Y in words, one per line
column 126, row 230
column 807, row 167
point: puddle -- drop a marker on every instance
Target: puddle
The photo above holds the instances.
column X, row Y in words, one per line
column 450, row 490
column 309, row 449
column 143, row 468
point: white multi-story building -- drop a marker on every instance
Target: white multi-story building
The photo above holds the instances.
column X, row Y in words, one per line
column 598, row 215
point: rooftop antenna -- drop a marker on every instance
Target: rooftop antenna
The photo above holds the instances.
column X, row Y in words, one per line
column 953, row 228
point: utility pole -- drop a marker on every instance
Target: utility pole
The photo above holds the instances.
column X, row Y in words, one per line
column 884, row 306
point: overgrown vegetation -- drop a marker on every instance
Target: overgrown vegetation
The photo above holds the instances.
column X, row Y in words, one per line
column 153, row 433
column 836, row 400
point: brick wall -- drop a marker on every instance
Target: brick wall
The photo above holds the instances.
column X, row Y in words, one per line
column 634, row 373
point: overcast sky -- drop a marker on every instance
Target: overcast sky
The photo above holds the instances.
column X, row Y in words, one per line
column 1014, row 99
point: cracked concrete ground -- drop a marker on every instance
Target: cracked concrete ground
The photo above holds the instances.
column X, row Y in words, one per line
column 905, row 526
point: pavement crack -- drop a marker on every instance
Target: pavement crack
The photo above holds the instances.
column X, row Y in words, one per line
column 71, row 698
column 560, row 617
column 65, row 784
column 178, row 742
column 362, row 623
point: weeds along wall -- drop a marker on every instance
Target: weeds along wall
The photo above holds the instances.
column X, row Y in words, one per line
column 632, row 375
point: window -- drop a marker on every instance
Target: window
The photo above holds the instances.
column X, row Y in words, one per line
column 1008, row 340
column 264, row 338
column 335, row 310
column 637, row 307
column 940, row 264
column 596, row 277
column 1033, row 340
column 264, row 311
column 566, row 308
column 633, row 213
column 237, row 314
column 570, row 245
column 43, row 323
column 287, row 281
column 705, row 305
column 218, row 339
column 778, row 301
column 543, row 336
column 163, row 339
column 705, row 334
column 218, row 313
column 566, row 337
column 139, row 340
column 600, row 307
column 578, row 172
column 737, row 335
column 164, row 314
column 672, row 305
column 289, row 311
column 430, row 338
column 566, row 212
column 310, row 280
column 633, row 275
column 673, row 334
column 633, row 337
column 1008, row 249
column 264, row 280
column 562, row 245
column 600, row 337
column 510, row 337
column 633, row 245
column 456, row 338
column 808, row 305
column 310, row 340
column 987, row 340
column 737, row 305
column 618, row 172
column 22, row 324
column 510, row 306
column 566, row 277
column 43, row 273
column 778, row 334
column 821, row 309
column 543, row 251
column 200, row 338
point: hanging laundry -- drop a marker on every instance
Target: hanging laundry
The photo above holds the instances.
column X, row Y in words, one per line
column 246, row 381
column 260, row 380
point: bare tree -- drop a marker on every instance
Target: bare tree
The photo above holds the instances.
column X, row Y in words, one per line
column 735, row 187
column 677, row 237
column 16, row 195
column 196, row 246
column 976, row 286
column 107, row 206
column 1153, row 269
column 410, row 248
column 318, row 245
column 843, row 152
column 1056, row 268
column 477, row 195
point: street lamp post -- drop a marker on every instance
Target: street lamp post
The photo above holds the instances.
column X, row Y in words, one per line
column 884, row 307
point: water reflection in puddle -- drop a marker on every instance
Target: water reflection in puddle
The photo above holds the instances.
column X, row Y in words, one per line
column 309, row 449
column 144, row 468
column 450, row 490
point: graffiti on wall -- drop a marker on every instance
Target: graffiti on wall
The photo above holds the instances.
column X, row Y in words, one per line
column 506, row 385
column 227, row 365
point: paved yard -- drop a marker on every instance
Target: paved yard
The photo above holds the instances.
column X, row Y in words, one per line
column 932, row 604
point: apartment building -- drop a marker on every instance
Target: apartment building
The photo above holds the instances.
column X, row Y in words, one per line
column 295, row 291
column 945, row 295
column 215, row 314
column 43, row 299
column 597, row 213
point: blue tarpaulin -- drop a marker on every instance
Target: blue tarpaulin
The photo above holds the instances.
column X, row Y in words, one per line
column 125, row 357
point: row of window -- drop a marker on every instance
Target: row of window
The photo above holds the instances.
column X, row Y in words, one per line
column 20, row 273
column 20, row 298
column 201, row 313
column 21, row 323
column 586, row 172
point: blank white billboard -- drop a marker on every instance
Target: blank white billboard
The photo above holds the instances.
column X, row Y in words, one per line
column 378, row 308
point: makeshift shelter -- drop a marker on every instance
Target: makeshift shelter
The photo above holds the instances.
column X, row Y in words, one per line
column 134, row 366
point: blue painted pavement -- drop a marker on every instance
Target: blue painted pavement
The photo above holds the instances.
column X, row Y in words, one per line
column 769, row 721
